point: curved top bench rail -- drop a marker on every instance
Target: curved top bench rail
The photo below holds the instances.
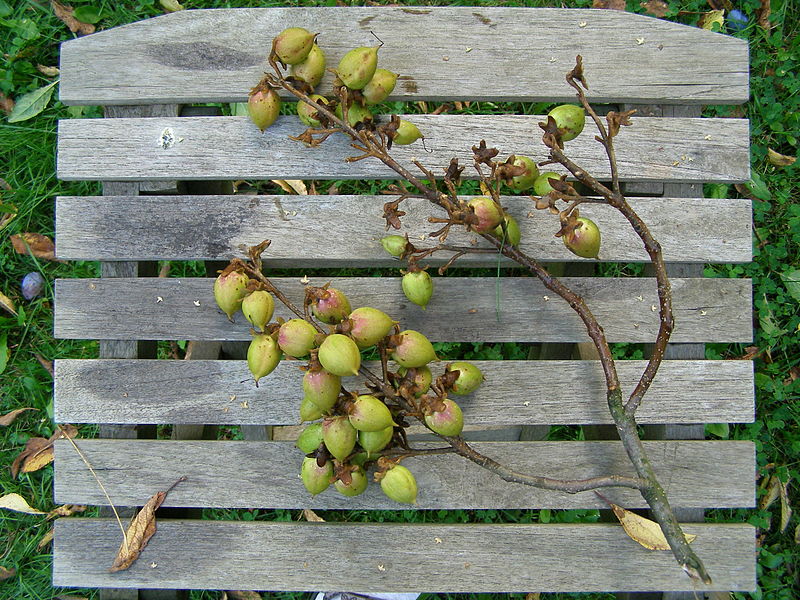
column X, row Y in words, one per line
column 441, row 53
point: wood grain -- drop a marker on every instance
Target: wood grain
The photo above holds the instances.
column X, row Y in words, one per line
column 514, row 54
column 514, row 392
column 462, row 309
column 217, row 228
column 465, row 558
column 671, row 149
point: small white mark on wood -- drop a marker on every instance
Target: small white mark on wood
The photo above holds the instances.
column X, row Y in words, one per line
column 582, row 24
column 553, row 59
column 675, row 163
column 304, row 280
column 124, row 394
column 653, row 307
column 467, row 565
column 167, row 138
column 196, row 302
column 159, row 299
column 226, row 409
column 467, row 49
column 526, row 403
column 244, row 404
column 423, row 237
column 636, row 326
column 438, row 540
column 707, row 137
column 640, row 299
column 703, row 313
column 445, row 58
column 305, row 565
column 546, row 298
column 92, row 286
column 153, row 565
column 639, row 41
column 233, row 397
column 381, row 568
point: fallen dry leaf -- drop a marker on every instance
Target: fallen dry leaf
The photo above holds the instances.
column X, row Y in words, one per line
column 140, row 530
column 707, row 20
column 643, row 531
column 763, row 14
column 772, row 484
column 786, row 509
column 612, row 4
column 780, row 160
column 7, row 304
column 38, row 452
column 8, row 418
column 170, row 5
column 64, row 13
column 17, row 503
column 46, row 538
column 36, row 244
column 66, row 510
column 311, row 516
column 48, row 71
column 242, row 595
column 657, row 8
column 6, row 103
column 47, row 364
column 7, row 573
column 293, row 186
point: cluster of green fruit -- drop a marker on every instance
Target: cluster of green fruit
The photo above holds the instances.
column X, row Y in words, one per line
column 358, row 71
column 348, row 430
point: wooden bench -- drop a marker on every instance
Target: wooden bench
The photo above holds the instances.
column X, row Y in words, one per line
column 156, row 205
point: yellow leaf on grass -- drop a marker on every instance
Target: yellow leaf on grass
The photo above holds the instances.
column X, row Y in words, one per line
column 644, row 531
column 170, row 5
column 7, row 303
column 8, row 418
column 17, row 503
column 46, row 538
column 293, row 186
column 310, row 515
column 780, row 160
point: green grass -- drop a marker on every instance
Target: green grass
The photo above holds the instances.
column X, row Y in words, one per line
column 29, row 35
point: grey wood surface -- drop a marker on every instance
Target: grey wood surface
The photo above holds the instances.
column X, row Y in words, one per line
column 466, row 558
column 233, row 148
column 493, row 53
column 462, row 309
column 514, row 393
column 300, row 227
column 266, row 475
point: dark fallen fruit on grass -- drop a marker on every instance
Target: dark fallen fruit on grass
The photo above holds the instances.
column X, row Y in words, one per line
column 293, row 45
column 512, row 235
column 449, row 421
column 296, row 337
column 307, row 113
column 412, row 349
column 358, row 483
column 357, row 67
column 368, row 413
column 263, row 355
column 311, row 68
column 525, row 181
column 322, row 388
column 489, row 214
column 407, row 133
column 583, row 240
column 469, row 378
column 375, row 441
column 229, row 291
column 369, row 326
column 316, row 479
column 379, row 87
column 418, row 287
column 570, row 120
column 399, row 484
column 339, row 437
column 263, row 106
column 394, row 244
column 339, row 355
column 541, row 186
column 331, row 307
column 258, row 308
column 310, row 438
column 32, row 285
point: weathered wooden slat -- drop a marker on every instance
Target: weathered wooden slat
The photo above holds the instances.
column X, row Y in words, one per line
column 393, row 558
column 265, row 475
column 300, row 227
column 233, row 148
column 454, row 54
column 714, row 310
column 514, row 392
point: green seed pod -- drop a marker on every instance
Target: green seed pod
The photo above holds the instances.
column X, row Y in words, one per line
column 570, row 119
column 407, row 133
column 469, row 378
column 258, row 308
column 293, row 45
column 339, row 355
column 398, row 483
column 358, row 483
column 310, row 439
column 379, row 87
column 296, row 337
column 309, row 411
column 339, row 437
column 413, row 349
column 585, row 240
column 357, row 67
column 263, row 355
column 421, row 376
column 527, row 179
column 322, row 388
column 307, row 113
column 489, row 214
column 311, row 68
column 513, row 234
column 418, row 287
column 375, row 441
column 356, row 114
column 368, row 413
column 332, row 307
column 263, row 106
column 229, row 291
column 394, row 244
column 541, row 186
column 449, row 421
column 370, row 326
column 316, row 479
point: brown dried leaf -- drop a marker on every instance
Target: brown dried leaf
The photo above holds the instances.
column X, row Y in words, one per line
column 773, row 486
column 66, row 510
column 8, row 418
column 6, row 103
column 46, row 538
column 293, row 186
column 311, row 516
column 7, row 573
column 38, row 452
column 643, row 531
column 48, row 71
column 64, row 13
column 140, row 530
column 780, row 160
column 36, row 244
column 7, row 304
column 657, row 8
column 242, row 595
column 616, row 120
column 786, row 509
column 46, row 364
column 763, row 14
column 612, row 4
column 17, row 503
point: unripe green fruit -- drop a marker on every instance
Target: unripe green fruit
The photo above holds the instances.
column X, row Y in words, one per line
column 469, row 378
column 375, row 441
column 358, row 483
column 263, row 355
column 293, row 45
column 585, row 240
column 379, row 87
column 229, row 291
column 399, row 484
column 309, row 411
column 407, row 133
column 356, row 114
column 414, row 349
column 333, row 307
column 316, row 479
column 263, row 106
column 296, row 337
column 339, row 355
column 541, row 186
column 489, row 214
column 310, row 439
column 370, row 326
column 306, row 112
column 368, row 413
column 449, row 421
column 258, row 308
column 418, row 287
column 339, row 437
column 526, row 180
column 311, row 68
column 357, row 67
column 322, row 388
column 394, row 244
column 422, row 378
column 570, row 119
column 513, row 234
